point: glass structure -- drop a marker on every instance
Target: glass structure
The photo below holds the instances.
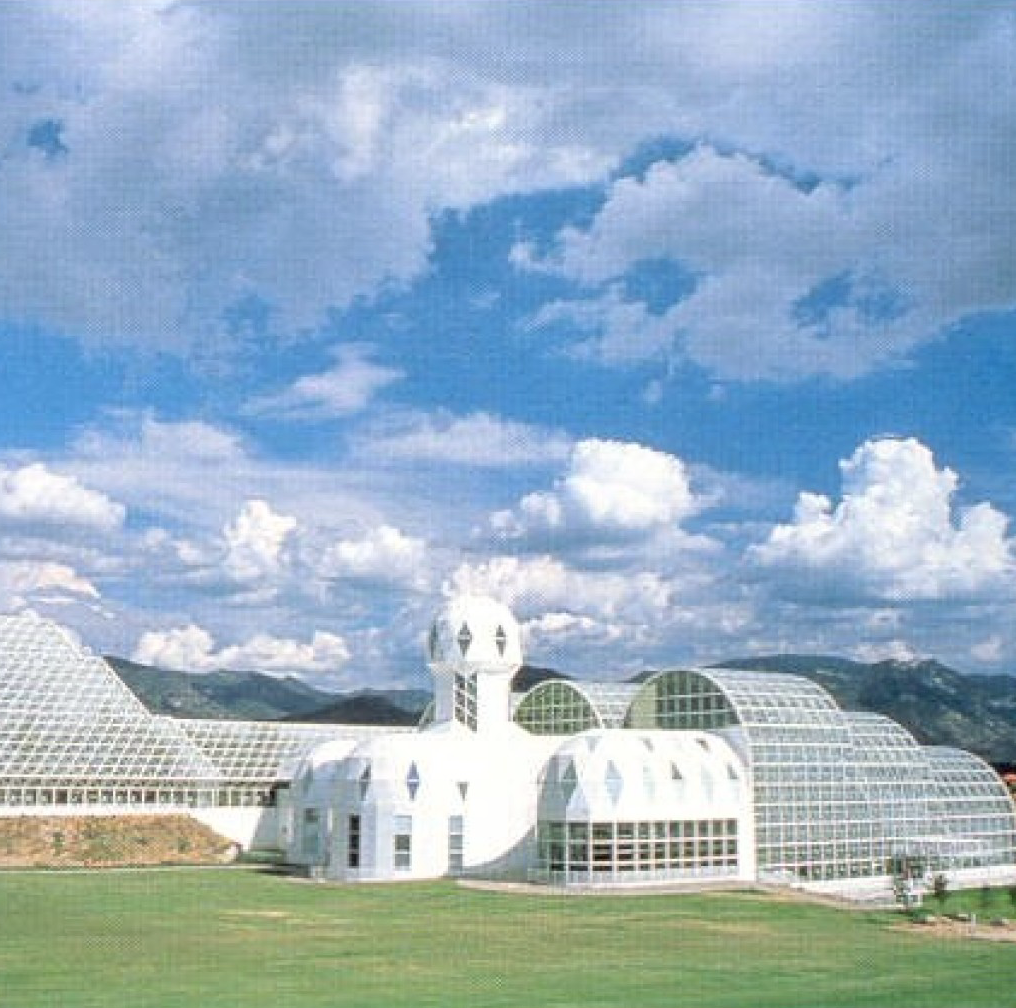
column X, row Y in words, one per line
column 73, row 734
column 837, row 795
column 656, row 850
column 970, row 809
column 562, row 707
column 814, row 794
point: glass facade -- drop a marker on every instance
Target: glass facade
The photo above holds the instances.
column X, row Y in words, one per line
column 834, row 795
column 560, row 707
column 73, row 734
column 837, row 795
column 657, row 850
column 970, row 811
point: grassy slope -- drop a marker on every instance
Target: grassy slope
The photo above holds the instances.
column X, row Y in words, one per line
column 220, row 939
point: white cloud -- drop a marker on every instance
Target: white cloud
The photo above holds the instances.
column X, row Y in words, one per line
column 537, row 584
column 192, row 648
column 381, row 556
column 613, row 329
column 992, row 649
column 298, row 154
column 892, row 650
column 343, row 390
column 20, row 580
column 195, row 475
column 760, row 246
column 34, row 494
column 609, row 488
column 892, row 537
column 556, row 630
column 215, row 153
column 608, row 621
column 477, row 439
column 256, row 543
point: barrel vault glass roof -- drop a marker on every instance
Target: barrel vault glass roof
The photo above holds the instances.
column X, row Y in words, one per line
column 837, row 794
column 563, row 707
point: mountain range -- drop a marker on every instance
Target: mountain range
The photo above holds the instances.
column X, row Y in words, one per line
column 938, row 704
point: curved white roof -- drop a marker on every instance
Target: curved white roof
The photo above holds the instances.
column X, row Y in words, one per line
column 472, row 632
column 643, row 775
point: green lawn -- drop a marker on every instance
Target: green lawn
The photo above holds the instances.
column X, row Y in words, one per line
column 242, row 939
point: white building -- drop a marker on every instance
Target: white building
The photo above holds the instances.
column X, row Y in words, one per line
column 692, row 775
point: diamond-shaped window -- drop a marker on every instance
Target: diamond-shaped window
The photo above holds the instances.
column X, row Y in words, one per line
column 465, row 638
column 501, row 640
column 413, row 780
column 463, row 788
column 434, row 645
column 365, row 782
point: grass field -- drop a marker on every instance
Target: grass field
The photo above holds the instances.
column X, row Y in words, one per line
column 243, row 939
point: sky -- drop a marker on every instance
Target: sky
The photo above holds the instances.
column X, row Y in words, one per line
column 684, row 329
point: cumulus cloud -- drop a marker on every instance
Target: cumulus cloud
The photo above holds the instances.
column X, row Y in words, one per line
column 34, row 494
column 606, row 621
column 609, row 489
column 476, row 439
column 256, row 542
column 381, row 556
column 192, row 648
column 30, row 577
column 892, row 537
column 892, row 650
column 28, row 582
column 537, row 584
column 190, row 161
column 343, row 390
column 789, row 280
column 213, row 155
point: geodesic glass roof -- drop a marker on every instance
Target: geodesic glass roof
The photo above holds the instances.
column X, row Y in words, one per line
column 65, row 715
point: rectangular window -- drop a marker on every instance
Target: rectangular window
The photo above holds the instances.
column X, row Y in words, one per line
column 353, row 843
column 455, row 829
column 402, row 842
column 464, row 700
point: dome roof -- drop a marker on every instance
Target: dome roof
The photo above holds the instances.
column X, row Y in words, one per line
column 394, row 768
column 474, row 632
column 633, row 775
column 320, row 768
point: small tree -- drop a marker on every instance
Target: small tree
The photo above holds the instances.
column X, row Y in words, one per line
column 940, row 889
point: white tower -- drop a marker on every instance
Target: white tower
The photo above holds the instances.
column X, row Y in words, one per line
column 473, row 650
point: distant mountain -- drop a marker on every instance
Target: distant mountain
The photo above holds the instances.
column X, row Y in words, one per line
column 370, row 707
column 939, row 705
column 231, row 695
column 258, row 697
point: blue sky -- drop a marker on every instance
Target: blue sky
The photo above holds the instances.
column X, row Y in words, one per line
column 685, row 329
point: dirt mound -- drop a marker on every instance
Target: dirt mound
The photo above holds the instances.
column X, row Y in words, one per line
column 108, row 841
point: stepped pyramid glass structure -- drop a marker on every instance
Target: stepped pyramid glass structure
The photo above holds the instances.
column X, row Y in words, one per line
column 74, row 737
column 692, row 775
